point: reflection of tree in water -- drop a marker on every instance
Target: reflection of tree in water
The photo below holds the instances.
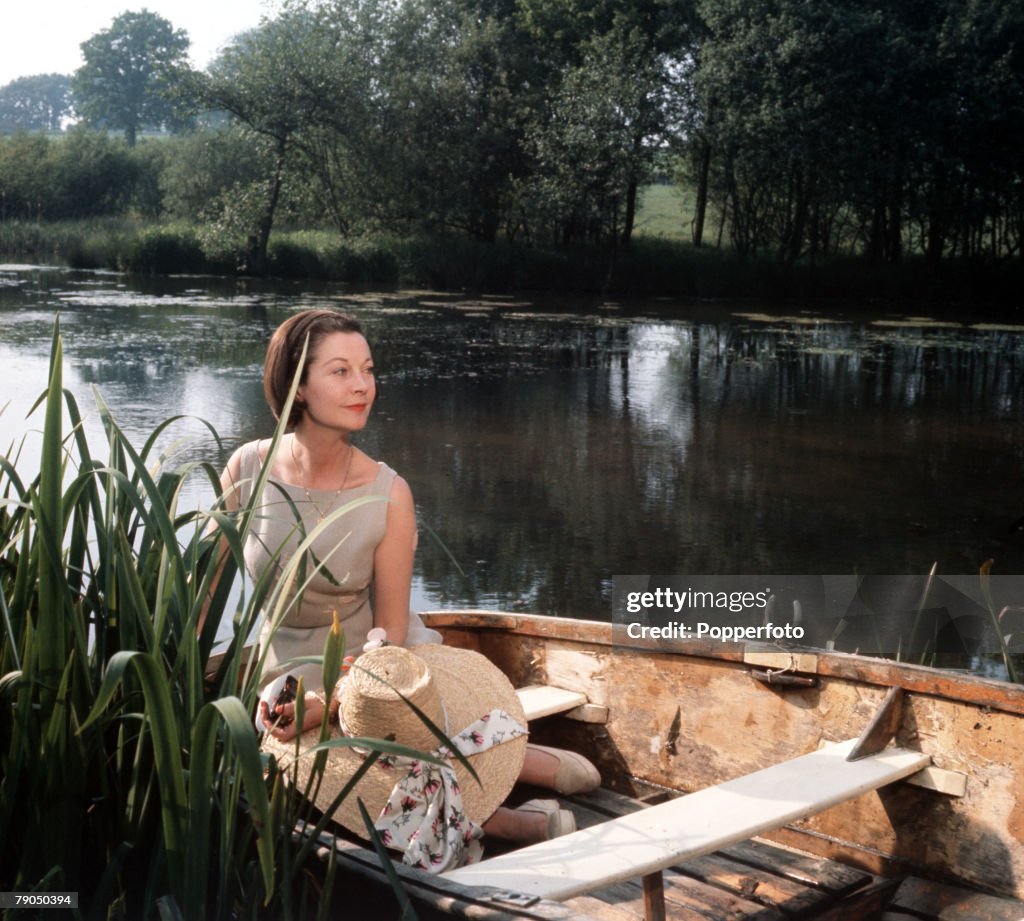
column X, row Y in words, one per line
column 708, row 448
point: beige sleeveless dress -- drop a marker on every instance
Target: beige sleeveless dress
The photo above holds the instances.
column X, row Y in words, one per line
column 344, row 581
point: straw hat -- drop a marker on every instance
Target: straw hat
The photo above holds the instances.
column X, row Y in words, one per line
column 453, row 687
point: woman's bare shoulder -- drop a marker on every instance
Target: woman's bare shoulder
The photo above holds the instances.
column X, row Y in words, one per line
column 400, row 489
column 243, row 453
column 241, row 463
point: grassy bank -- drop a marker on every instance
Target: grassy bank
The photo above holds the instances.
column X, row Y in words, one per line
column 659, row 262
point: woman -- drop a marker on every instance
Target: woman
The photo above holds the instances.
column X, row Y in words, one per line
column 316, row 471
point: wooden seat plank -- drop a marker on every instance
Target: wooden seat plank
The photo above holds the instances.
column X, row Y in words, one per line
column 795, row 884
column 651, row 839
column 543, row 700
column 821, row 873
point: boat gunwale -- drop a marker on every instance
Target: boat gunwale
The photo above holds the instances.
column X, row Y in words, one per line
column 432, row 892
column 919, row 679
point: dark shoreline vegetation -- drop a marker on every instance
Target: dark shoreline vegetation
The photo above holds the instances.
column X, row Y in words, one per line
column 652, row 267
column 834, row 150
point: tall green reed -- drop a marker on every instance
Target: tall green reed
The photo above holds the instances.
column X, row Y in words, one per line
column 985, row 576
column 130, row 771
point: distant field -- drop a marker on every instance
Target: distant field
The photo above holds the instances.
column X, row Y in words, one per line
column 665, row 211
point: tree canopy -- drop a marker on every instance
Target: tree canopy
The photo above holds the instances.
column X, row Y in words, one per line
column 130, row 73
column 37, row 103
column 879, row 128
column 809, row 129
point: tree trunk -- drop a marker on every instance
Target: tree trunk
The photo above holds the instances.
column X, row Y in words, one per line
column 798, row 227
column 894, row 231
column 702, row 194
column 630, row 218
column 256, row 258
column 936, row 239
column 488, row 220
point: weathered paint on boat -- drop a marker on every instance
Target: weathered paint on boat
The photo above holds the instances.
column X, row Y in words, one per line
column 684, row 715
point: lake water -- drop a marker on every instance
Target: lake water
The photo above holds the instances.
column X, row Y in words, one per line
column 552, row 445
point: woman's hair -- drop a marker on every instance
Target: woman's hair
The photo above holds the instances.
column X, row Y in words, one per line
column 285, row 351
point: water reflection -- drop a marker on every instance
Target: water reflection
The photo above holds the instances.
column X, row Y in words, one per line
column 550, row 449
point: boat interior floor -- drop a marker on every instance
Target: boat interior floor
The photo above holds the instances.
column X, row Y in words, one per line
column 761, row 881
column 755, row 880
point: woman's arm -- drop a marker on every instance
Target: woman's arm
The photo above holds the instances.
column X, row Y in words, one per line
column 392, row 583
column 392, row 565
column 229, row 493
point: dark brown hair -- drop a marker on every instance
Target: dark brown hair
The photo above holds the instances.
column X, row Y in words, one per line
column 285, row 351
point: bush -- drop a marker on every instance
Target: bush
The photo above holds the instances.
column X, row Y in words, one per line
column 77, row 175
column 27, row 178
column 95, row 248
column 150, row 156
column 291, row 258
column 321, row 255
column 362, row 262
column 95, row 175
column 163, row 251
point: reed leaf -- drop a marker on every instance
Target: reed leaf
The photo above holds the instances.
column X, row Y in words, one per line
column 403, row 899
column 116, row 728
column 48, row 508
column 985, row 577
column 167, row 754
column 201, row 782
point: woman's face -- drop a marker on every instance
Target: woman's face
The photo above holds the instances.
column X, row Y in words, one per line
column 339, row 388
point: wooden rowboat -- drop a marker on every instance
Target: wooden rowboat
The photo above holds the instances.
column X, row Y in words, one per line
column 928, row 821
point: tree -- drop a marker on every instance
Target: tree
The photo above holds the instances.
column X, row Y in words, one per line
column 254, row 80
column 130, row 74
column 595, row 142
column 966, row 199
column 445, row 133
column 806, row 118
column 613, row 98
column 38, row 103
column 95, row 174
column 27, row 177
column 203, row 167
column 887, row 128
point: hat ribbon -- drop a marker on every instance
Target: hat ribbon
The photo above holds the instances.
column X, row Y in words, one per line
column 424, row 816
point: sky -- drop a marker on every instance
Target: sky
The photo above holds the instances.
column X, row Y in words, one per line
column 43, row 36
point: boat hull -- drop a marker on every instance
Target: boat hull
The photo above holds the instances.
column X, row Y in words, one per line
column 684, row 715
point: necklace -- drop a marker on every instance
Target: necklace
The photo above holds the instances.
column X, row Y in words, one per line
column 320, row 513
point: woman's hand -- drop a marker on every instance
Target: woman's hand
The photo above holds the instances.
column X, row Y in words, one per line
column 281, row 719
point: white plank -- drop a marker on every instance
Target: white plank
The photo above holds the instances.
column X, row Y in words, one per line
column 952, row 783
column 588, row 713
column 655, row 838
column 782, row 661
column 542, row 700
